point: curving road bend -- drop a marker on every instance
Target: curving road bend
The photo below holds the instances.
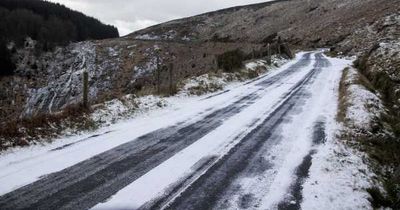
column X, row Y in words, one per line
column 252, row 152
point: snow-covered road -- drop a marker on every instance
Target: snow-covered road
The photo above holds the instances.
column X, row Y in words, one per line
column 248, row 147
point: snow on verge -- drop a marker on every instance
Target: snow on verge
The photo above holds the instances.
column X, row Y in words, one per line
column 126, row 107
column 339, row 175
column 364, row 105
column 213, row 82
column 338, row 179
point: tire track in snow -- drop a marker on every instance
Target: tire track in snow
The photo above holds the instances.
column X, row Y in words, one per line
column 295, row 197
column 94, row 180
column 182, row 185
column 211, row 187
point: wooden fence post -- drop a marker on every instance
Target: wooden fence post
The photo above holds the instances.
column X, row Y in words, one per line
column 158, row 74
column 278, row 45
column 85, row 89
column 215, row 63
column 269, row 54
column 171, row 87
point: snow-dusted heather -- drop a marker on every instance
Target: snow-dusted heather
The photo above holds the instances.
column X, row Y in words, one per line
column 63, row 85
column 186, row 38
column 204, row 83
column 130, row 106
column 276, row 61
column 150, row 66
column 125, row 107
column 213, row 82
column 364, row 106
column 146, row 69
column 165, row 36
column 63, row 82
column 113, row 51
column 147, row 37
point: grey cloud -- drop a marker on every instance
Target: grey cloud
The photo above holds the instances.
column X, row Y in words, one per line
column 132, row 15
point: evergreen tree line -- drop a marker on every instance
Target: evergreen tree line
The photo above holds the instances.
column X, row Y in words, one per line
column 48, row 23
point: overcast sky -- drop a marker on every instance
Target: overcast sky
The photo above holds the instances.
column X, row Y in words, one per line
column 132, row 15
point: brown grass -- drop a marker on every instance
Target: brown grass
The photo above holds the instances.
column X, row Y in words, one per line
column 343, row 97
column 21, row 132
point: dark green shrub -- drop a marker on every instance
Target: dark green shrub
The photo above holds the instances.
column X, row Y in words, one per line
column 377, row 199
column 7, row 67
column 361, row 63
column 231, row 61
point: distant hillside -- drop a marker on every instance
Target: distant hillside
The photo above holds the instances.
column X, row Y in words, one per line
column 48, row 23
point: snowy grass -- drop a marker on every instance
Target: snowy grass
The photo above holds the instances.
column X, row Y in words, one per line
column 341, row 174
column 217, row 81
column 339, row 178
column 363, row 107
column 125, row 107
column 365, row 132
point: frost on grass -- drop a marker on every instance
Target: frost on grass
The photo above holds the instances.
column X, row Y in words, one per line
column 212, row 82
column 339, row 179
column 170, row 35
column 63, row 87
column 341, row 173
column 204, row 84
column 125, row 107
column 364, row 106
column 64, row 81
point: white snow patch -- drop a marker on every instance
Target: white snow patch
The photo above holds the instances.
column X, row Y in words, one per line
column 365, row 106
column 166, row 36
column 147, row 37
column 213, row 82
column 339, row 176
column 126, row 107
column 338, row 179
column 203, row 84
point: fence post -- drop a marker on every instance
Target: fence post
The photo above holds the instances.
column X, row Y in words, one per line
column 85, row 89
column 278, row 47
column 279, row 43
column 158, row 71
column 171, row 88
column 215, row 63
column 269, row 54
